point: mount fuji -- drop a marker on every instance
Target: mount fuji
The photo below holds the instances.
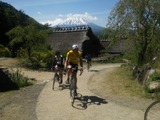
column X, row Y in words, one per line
column 71, row 22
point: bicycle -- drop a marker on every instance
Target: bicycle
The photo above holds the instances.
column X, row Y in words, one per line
column 153, row 111
column 72, row 83
column 56, row 78
column 88, row 65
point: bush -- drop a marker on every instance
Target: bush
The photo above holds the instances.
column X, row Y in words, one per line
column 22, row 53
column 16, row 77
column 19, row 79
column 39, row 60
column 4, row 51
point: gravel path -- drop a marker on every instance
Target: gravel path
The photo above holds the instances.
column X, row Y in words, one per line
column 55, row 105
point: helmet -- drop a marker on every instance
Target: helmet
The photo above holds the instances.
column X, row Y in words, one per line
column 74, row 46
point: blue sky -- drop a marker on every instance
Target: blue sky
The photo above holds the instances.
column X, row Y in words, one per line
column 53, row 11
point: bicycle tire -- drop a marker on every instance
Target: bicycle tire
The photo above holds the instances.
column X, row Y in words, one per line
column 153, row 111
column 72, row 90
column 72, row 97
column 55, row 78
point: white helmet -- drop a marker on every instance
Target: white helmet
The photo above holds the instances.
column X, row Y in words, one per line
column 74, row 46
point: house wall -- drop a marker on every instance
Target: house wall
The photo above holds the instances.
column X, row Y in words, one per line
column 87, row 41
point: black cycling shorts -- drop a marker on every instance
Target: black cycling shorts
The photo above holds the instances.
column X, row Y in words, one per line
column 74, row 66
column 60, row 66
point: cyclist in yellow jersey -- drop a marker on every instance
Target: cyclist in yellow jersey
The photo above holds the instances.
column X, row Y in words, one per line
column 73, row 57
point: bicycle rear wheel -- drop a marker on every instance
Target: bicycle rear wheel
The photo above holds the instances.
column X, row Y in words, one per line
column 153, row 111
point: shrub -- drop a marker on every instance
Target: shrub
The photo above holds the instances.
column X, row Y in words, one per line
column 18, row 78
column 4, row 51
column 39, row 60
column 22, row 53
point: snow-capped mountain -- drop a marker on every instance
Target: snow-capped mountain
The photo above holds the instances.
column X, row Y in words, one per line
column 74, row 21
column 69, row 22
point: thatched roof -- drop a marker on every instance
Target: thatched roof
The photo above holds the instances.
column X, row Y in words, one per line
column 120, row 47
column 63, row 39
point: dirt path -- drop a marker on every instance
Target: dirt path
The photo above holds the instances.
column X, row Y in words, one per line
column 55, row 105
column 40, row 102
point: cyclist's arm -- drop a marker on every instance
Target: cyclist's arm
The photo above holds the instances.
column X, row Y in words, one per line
column 66, row 63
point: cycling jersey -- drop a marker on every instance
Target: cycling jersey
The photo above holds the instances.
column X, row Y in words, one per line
column 73, row 57
column 58, row 60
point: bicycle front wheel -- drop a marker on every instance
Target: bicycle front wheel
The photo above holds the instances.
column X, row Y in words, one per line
column 153, row 111
column 72, row 90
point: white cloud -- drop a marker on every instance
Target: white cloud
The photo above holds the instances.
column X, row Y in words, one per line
column 52, row 23
column 86, row 16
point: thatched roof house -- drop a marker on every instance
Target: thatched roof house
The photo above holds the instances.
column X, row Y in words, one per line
column 63, row 38
column 120, row 47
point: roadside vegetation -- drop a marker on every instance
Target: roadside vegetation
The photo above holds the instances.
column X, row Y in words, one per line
column 137, row 22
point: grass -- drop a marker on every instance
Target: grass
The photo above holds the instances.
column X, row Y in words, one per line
column 121, row 83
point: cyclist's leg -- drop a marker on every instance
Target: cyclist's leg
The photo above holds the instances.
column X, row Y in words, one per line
column 54, row 76
column 74, row 76
column 69, row 71
column 60, row 75
column 53, row 81
column 88, row 65
column 90, row 62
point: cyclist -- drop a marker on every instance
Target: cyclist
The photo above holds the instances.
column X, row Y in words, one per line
column 88, row 58
column 58, row 65
column 72, row 58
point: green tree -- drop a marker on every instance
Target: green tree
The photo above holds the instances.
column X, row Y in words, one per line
column 105, row 34
column 26, row 37
column 139, row 22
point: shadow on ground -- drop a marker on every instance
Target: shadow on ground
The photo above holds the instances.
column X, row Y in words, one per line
column 82, row 102
column 94, row 100
column 94, row 70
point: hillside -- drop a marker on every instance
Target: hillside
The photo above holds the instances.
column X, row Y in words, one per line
column 10, row 18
